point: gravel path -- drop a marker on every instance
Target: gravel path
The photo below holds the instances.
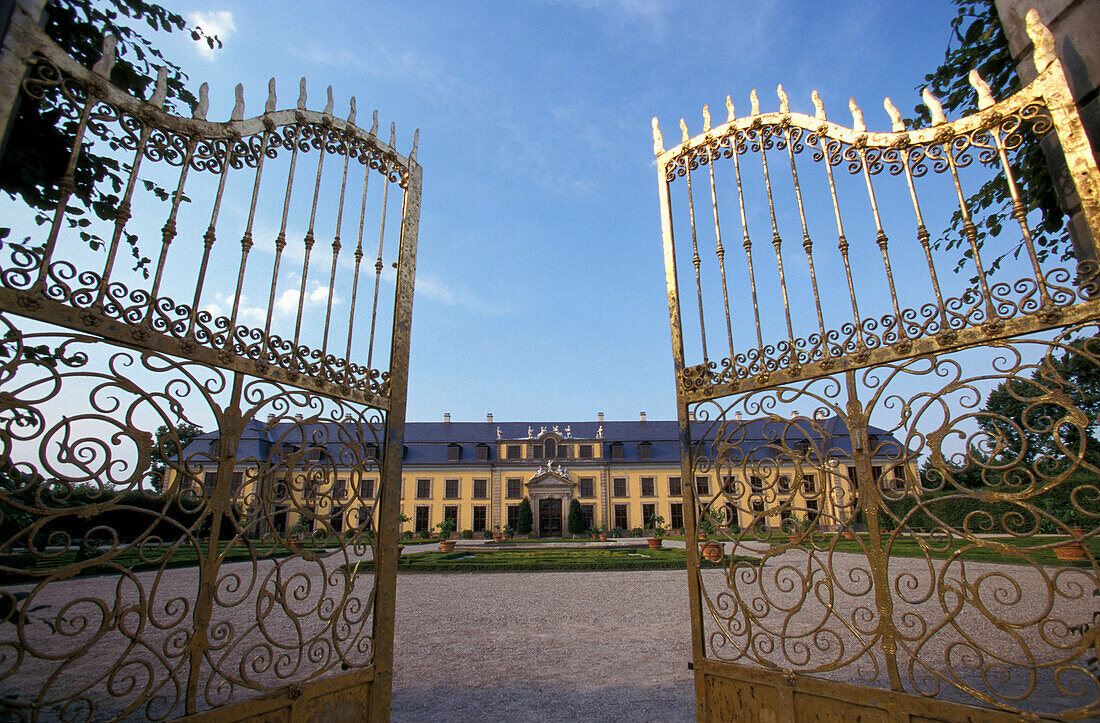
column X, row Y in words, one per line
column 549, row 646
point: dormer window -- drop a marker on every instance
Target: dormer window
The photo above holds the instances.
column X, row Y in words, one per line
column 549, row 448
column 483, row 453
column 536, row 451
column 616, row 450
column 645, row 450
column 454, row 451
column 372, row 451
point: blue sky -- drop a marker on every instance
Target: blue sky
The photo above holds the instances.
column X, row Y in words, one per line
column 540, row 285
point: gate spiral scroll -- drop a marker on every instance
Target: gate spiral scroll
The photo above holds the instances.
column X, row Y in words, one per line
column 896, row 551
column 199, row 474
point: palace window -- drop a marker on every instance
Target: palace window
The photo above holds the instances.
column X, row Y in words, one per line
column 647, row 514
column 550, row 449
column 515, row 489
column 756, row 485
column 563, row 451
column 809, row 484
column 645, row 450
column 729, row 482
column 423, row 518
column 450, row 512
column 483, row 453
column 450, row 490
column 423, row 489
column 648, row 488
column 366, row 490
column 454, row 451
column 481, row 489
column 512, row 516
column 616, row 450
column 514, row 451
column 675, row 489
column 758, row 505
column 588, row 512
column 238, row 478
column 811, row 510
column 702, row 485
column 784, row 483
column 479, row 518
column 676, row 515
column 587, row 487
column 536, row 451
column 584, row 451
column 619, row 487
column 621, row 520
column 898, row 475
column 340, row 490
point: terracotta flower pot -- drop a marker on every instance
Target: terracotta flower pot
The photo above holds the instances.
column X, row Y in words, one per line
column 446, row 545
column 654, row 543
column 1071, row 551
column 849, row 535
column 712, row 551
column 497, row 538
column 603, row 537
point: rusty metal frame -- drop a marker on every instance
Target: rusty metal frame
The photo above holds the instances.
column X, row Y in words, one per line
column 234, row 370
column 854, row 365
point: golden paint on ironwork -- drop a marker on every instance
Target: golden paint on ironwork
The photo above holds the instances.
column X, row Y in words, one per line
column 774, row 632
column 262, row 623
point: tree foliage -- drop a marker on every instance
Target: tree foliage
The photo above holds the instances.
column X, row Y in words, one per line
column 576, row 518
column 978, row 41
column 39, row 145
column 169, row 443
column 524, row 518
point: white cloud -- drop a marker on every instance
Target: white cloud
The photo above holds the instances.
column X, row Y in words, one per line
column 218, row 22
column 316, row 295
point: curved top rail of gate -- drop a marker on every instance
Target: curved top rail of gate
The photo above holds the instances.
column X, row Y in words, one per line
column 195, row 158
column 823, row 335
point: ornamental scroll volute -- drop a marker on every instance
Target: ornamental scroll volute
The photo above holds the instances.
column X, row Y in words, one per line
column 202, row 396
column 892, row 423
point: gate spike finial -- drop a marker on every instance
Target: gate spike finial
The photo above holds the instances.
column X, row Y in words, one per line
column 985, row 95
column 934, row 107
column 270, row 105
column 658, row 141
column 819, row 107
column 683, row 131
column 1043, row 41
column 729, row 109
column 416, row 143
column 706, row 118
column 238, row 106
column 784, row 101
column 857, row 116
column 754, row 102
column 204, row 102
column 374, row 124
column 302, row 94
column 393, row 135
column 351, row 113
column 329, row 102
column 161, row 91
column 106, row 61
column 897, row 124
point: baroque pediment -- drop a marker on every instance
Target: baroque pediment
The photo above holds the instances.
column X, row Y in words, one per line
column 550, row 476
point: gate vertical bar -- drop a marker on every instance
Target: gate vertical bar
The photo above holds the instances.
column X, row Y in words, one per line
column 390, row 505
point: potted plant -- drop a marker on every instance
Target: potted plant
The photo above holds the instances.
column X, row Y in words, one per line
column 658, row 524
column 706, row 527
column 711, row 550
column 403, row 518
column 446, row 527
column 603, row 533
column 497, row 534
column 1073, row 549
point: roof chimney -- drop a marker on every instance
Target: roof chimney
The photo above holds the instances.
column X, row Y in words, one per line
column 489, row 418
column 737, row 416
column 821, row 414
column 794, row 414
column 691, row 415
column 599, row 417
column 446, row 417
column 641, row 417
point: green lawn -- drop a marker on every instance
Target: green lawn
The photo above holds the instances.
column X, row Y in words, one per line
column 130, row 557
column 499, row 559
column 993, row 549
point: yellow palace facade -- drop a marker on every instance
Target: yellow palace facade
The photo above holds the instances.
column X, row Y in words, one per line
column 622, row 473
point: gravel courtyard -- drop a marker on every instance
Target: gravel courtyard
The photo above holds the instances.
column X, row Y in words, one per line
column 609, row 646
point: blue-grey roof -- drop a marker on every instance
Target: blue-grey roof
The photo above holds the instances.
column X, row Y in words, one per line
column 428, row 442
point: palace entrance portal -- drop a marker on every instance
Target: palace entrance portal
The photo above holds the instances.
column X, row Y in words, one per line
column 550, row 518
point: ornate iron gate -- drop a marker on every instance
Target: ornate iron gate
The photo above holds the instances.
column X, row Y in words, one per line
column 951, row 431
column 248, row 573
